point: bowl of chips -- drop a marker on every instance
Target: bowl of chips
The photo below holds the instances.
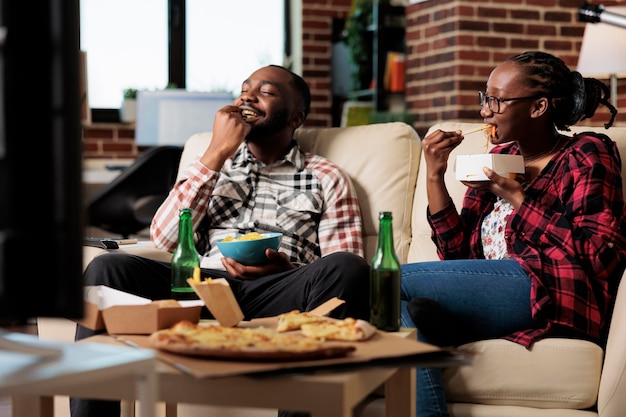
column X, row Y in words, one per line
column 249, row 249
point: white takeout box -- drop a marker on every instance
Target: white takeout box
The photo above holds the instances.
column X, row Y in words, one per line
column 122, row 313
column 470, row 167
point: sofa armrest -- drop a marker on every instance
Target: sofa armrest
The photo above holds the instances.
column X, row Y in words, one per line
column 141, row 248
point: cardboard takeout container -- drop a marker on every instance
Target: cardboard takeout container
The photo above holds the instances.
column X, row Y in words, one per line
column 219, row 299
column 122, row 313
column 470, row 167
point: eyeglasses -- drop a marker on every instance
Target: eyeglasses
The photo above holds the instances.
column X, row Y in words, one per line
column 494, row 102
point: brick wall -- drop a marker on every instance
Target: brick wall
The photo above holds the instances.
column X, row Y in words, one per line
column 110, row 140
column 317, row 20
column 452, row 46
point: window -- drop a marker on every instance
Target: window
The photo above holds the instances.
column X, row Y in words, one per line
column 126, row 46
column 226, row 42
column 205, row 45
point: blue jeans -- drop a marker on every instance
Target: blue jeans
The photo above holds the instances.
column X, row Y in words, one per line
column 488, row 298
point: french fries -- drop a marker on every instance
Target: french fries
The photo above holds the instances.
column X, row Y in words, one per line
column 197, row 279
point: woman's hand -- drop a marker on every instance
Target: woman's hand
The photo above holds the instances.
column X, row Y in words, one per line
column 506, row 188
column 277, row 262
column 436, row 148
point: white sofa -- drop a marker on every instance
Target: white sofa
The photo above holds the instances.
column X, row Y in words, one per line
column 557, row 377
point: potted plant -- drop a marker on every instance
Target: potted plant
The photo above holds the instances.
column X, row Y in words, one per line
column 359, row 40
column 128, row 111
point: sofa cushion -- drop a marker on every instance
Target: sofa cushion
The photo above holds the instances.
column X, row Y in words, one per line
column 143, row 248
column 382, row 160
column 554, row 373
column 485, row 410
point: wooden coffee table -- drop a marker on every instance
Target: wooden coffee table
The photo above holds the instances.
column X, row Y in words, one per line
column 320, row 393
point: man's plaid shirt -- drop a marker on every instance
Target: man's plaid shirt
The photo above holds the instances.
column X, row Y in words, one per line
column 304, row 196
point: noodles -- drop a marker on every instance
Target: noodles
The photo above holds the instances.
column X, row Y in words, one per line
column 489, row 131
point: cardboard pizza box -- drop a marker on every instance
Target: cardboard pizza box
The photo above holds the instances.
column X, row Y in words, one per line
column 122, row 313
column 147, row 318
column 470, row 167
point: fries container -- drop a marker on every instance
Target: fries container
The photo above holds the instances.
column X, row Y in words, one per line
column 122, row 313
column 219, row 299
column 470, row 167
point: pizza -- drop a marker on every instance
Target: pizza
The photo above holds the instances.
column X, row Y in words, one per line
column 325, row 328
column 258, row 343
column 348, row 329
column 294, row 319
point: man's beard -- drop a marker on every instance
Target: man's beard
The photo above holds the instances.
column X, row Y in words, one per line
column 265, row 130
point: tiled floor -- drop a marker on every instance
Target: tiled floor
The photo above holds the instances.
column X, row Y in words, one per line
column 31, row 328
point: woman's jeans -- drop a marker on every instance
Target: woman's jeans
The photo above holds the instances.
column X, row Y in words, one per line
column 486, row 298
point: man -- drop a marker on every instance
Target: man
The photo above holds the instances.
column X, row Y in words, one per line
column 253, row 176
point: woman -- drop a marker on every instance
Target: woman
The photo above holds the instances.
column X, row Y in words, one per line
column 524, row 259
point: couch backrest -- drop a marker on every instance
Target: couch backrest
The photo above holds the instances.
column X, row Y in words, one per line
column 422, row 248
column 381, row 159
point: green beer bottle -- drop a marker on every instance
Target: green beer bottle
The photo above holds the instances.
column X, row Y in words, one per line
column 385, row 279
column 185, row 259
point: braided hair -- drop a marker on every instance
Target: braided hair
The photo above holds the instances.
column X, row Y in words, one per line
column 572, row 97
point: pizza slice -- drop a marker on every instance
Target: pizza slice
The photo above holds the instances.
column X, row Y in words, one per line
column 348, row 330
column 294, row 320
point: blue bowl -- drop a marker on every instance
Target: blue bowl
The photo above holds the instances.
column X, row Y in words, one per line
column 250, row 252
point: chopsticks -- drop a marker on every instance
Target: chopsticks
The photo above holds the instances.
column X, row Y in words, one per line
column 478, row 129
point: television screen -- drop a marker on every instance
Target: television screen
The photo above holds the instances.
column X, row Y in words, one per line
column 40, row 160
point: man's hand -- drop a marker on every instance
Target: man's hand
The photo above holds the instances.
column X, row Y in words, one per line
column 277, row 262
column 229, row 131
